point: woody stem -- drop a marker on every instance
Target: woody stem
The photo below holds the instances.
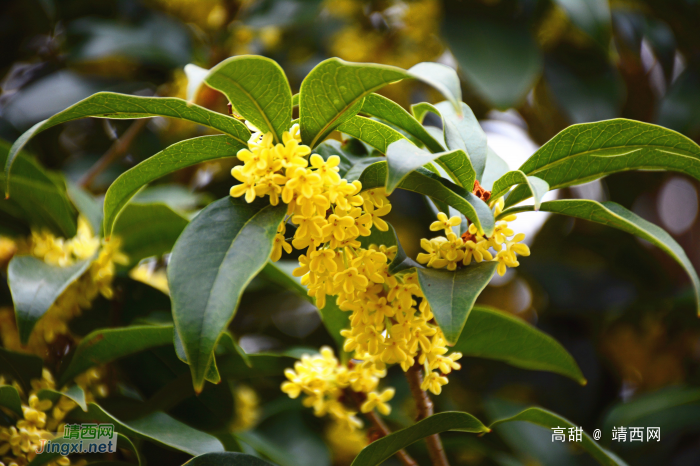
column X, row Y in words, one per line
column 382, row 428
column 424, row 406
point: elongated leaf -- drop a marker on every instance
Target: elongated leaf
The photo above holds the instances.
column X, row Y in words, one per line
column 87, row 205
column 74, row 393
column 21, row 367
column 156, row 427
column 548, row 419
column 333, row 92
column 9, row 398
column 538, row 187
column 180, row 155
column 122, row 106
column 495, row 168
column 258, row 90
column 425, row 182
column 380, row 450
column 106, row 345
column 452, row 295
column 148, row 230
column 227, row 459
column 441, row 77
column 403, row 157
column 470, row 131
column 35, row 286
column 616, row 216
column 39, row 199
column 374, row 133
column 592, row 17
column 280, row 273
column 589, row 151
column 497, row 335
column 213, row 261
column 385, row 109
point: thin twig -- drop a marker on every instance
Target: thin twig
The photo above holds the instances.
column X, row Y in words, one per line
column 424, row 405
column 382, row 428
column 117, row 150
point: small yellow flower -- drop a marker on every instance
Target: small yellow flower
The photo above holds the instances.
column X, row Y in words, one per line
column 378, row 401
column 443, row 223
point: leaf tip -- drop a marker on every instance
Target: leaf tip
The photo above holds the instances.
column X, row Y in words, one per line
column 583, row 381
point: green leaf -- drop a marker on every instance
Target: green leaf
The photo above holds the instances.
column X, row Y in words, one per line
column 425, row 182
column 470, row 132
column 497, row 335
column 380, row 450
column 495, row 168
column 538, row 187
column 501, row 62
column 156, row 427
column 122, row 106
column 227, row 459
column 385, row 109
column 548, row 419
column 374, row 133
column 592, row 17
column 295, row 100
column 106, row 345
column 452, row 295
column 213, row 261
column 180, row 155
column 280, row 273
column 585, row 152
column 9, row 398
column 148, row 230
column 441, row 77
column 616, row 216
column 74, row 393
column 258, row 90
column 39, row 199
column 35, row 286
column 22, row 368
column 333, row 92
column 87, row 205
column 403, row 157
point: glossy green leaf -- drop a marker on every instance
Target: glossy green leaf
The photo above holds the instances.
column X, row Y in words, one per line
column 213, row 261
column 501, row 62
column 333, row 92
column 547, row 419
column 20, row 367
column 441, row 77
column 37, row 197
column 380, row 450
column 452, row 295
column 495, row 168
column 74, row 393
column 372, row 132
column 35, row 286
column 403, row 157
column 425, row 182
column 156, row 427
column 147, row 230
column 180, row 155
column 227, row 459
column 469, row 130
column 616, row 216
column 589, row 151
column 493, row 334
column 385, row 109
column 122, row 106
column 592, row 17
column 538, row 187
column 106, row 345
column 9, row 398
column 258, row 90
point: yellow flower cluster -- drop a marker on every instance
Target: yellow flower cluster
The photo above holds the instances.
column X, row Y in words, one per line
column 324, row 380
column 78, row 296
column 40, row 418
column 345, row 443
column 451, row 251
column 247, row 406
column 388, row 325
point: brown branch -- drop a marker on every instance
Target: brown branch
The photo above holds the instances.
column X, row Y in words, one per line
column 425, row 408
column 380, row 427
column 117, row 150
